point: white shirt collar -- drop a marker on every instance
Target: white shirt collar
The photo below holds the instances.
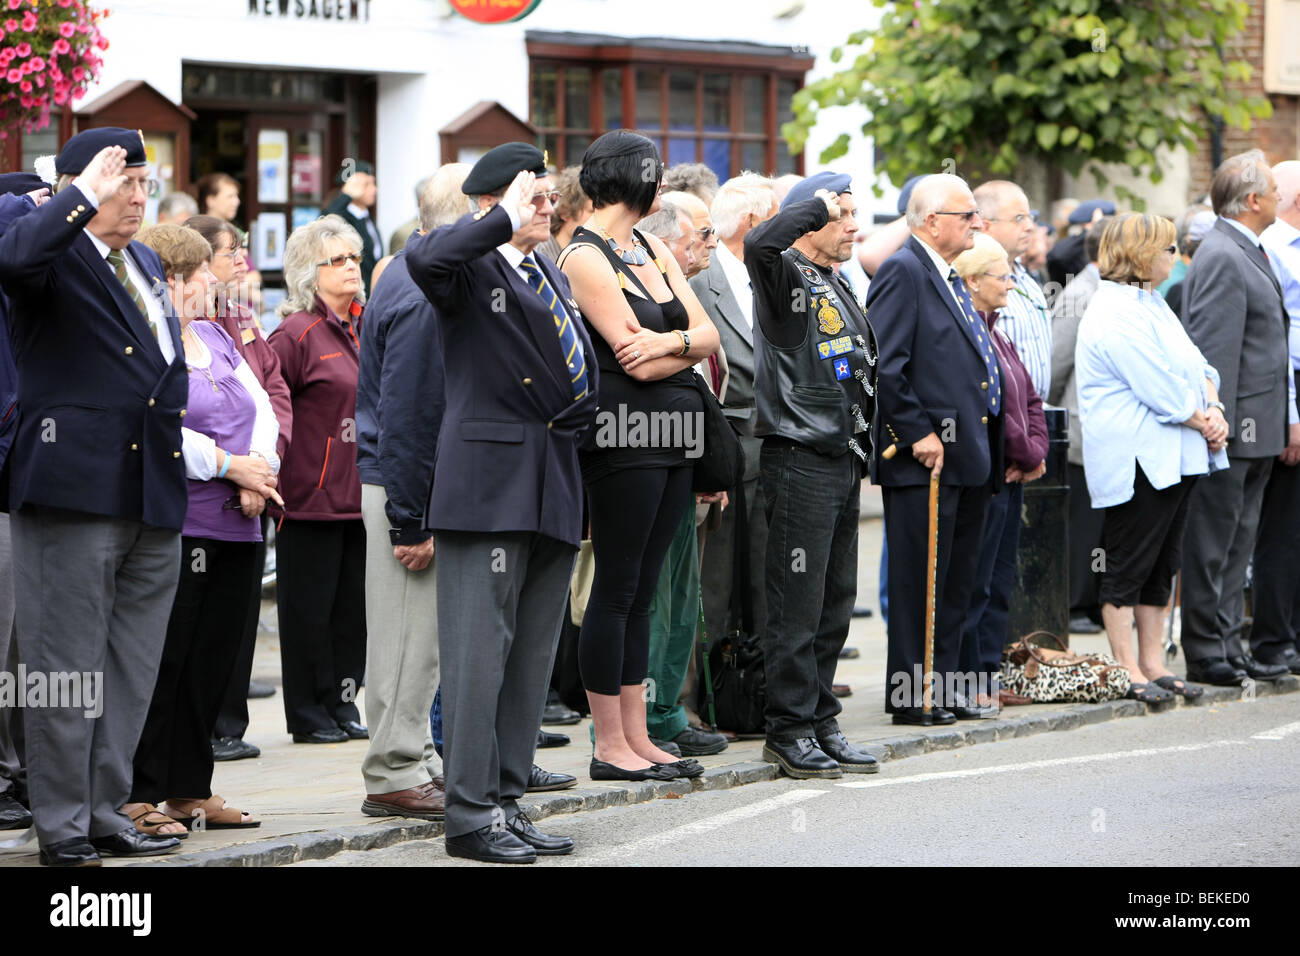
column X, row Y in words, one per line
column 100, row 245
column 732, row 267
column 359, row 212
column 1244, row 230
column 513, row 254
column 945, row 268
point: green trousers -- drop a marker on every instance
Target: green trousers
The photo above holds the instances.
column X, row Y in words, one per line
column 674, row 612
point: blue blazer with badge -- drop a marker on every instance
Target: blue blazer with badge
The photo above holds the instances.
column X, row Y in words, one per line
column 99, row 427
column 507, row 457
column 930, row 372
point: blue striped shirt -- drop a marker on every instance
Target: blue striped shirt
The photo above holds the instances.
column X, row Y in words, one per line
column 1027, row 322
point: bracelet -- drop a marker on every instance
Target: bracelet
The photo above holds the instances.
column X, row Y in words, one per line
column 1218, row 405
column 225, row 466
column 686, row 342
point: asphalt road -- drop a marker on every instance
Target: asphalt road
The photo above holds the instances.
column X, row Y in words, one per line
column 1202, row 786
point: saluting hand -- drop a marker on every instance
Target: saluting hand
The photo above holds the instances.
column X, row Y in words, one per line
column 519, row 196
column 39, row 196
column 105, row 173
column 831, row 201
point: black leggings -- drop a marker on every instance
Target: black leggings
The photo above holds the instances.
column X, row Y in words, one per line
column 634, row 515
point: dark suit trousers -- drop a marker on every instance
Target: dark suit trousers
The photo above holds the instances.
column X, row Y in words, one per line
column 907, row 523
column 1275, row 587
column 1085, row 538
column 1222, row 521
column 92, row 595
column 501, row 598
column 232, row 721
column 321, row 597
column 719, row 564
column 812, row 578
column 174, row 756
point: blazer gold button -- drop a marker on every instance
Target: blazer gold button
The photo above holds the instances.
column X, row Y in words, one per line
column 984, row 420
column 528, row 381
column 134, row 446
column 152, row 403
column 81, row 209
column 176, row 454
column 69, row 219
column 128, row 350
column 984, row 385
column 182, row 413
column 549, row 424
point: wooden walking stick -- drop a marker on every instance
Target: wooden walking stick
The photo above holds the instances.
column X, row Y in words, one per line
column 931, row 570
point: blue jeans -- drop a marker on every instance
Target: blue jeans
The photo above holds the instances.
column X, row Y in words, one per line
column 435, row 721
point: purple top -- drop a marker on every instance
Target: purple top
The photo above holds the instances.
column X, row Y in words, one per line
column 222, row 409
column 1025, row 427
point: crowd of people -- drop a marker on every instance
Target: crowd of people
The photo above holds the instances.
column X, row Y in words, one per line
column 440, row 435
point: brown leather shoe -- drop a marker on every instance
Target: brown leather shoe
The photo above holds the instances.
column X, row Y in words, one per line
column 1008, row 699
column 427, row 802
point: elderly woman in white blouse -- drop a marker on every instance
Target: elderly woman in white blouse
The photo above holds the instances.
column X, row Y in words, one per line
column 1151, row 422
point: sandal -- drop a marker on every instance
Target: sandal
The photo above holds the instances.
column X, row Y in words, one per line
column 151, row 827
column 210, row 814
column 1148, row 694
column 1176, row 685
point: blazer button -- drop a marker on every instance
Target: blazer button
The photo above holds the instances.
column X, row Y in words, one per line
column 182, row 413
column 984, row 385
column 528, row 381
column 81, row 209
column 134, row 446
column 129, row 350
column 984, row 420
column 152, row 403
column 69, row 219
column 176, row 454
column 549, row 424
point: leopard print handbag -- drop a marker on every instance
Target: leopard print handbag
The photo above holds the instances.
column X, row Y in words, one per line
column 1045, row 675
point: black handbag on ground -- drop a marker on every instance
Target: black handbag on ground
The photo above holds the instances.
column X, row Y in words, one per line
column 720, row 465
column 733, row 665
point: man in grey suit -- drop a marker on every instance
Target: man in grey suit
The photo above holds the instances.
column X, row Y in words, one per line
column 725, row 293
column 1085, row 523
column 1234, row 312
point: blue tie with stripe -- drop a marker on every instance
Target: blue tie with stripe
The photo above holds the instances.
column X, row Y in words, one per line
column 993, row 384
column 569, row 343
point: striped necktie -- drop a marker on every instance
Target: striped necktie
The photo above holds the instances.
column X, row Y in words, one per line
column 573, row 354
column 993, row 384
column 118, row 261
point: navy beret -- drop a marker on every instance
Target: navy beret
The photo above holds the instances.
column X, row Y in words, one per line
column 906, row 194
column 19, row 184
column 359, row 166
column 85, row 146
column 497, row 168
column 804, row 189
column 1083, row 212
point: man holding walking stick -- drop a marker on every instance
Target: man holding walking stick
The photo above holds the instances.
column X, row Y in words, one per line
column 940, row 408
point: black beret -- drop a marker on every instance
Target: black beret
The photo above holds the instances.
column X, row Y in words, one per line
column 497, row 168
column 359, row 166
column 19, row 184
column 82, row 148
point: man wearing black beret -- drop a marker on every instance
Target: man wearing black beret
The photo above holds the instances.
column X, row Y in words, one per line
column 506, row 502
column 356, row 204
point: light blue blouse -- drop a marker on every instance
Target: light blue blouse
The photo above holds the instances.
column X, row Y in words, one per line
column 1140, row 376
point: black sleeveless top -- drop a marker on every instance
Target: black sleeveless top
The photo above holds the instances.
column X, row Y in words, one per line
column 640, row 424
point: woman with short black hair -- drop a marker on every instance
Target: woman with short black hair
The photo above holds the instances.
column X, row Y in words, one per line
column 648, row 330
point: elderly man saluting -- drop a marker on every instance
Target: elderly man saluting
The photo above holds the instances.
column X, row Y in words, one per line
column 506, row 503
column 941, row 399
column 98, row 491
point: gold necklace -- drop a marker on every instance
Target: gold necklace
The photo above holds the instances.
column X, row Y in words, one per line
column 206, row 371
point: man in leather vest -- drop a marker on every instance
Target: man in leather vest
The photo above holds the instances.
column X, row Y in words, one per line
column 814, row 383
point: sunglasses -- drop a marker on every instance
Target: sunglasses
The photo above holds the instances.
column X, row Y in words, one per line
column 968, row 215
column 338, row 261
column 705, row 233
column 541, row 199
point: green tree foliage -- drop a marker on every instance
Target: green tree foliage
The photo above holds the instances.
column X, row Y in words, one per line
column 969, row 84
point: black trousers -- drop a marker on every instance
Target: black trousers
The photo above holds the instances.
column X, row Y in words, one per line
column 1085, row 538
column 174, row 755
column 232, row 721
column 321, row 597
column 1142, row 539
column 907, row 524
column 1275, row 586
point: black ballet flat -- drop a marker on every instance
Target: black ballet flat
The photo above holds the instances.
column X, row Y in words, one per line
column 600, row 770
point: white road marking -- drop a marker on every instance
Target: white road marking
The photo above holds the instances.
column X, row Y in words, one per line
column 676, row 834
column 1277, row 733
column 1035, row 765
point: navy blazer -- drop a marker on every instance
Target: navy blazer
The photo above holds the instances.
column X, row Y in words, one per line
column 507, row 456
column 11, row 207
column 99, row 428
column 929, row 375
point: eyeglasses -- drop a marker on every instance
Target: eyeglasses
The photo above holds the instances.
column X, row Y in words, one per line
column 705, row 232
column 150, row 187
column 338, row 261
column 1018, row 220
column 541, row 199
column 239, row 252
column 1008, row 277
column 968, row 214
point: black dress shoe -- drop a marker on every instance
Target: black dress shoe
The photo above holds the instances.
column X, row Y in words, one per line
column 546, row 844
column 600, row 770
column 849, row 757
column 683, row 769
column 13, row 815
column 849, row 653
column 1288, row 657
column 667, row 746
column 131, row 842
column 696, row 742
column 963, row 709
column 489, row 845
column 233, row 748
column 258, row 689
column 861, row 610
column 540, row 780
column 557, row 712
column 76, row 851
column 801, row 759
column 334, row 735
column 355, row 730
column 917, row 715
column 1215, row 671
column 1258, row 670
column 546, row 739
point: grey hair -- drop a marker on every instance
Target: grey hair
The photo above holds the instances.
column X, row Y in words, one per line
column 695, row 178
column 1237, row 178
column 420, row 187
column 666, row 223
column 442, row 202
column 928, row 196
column 748, row 194
column 305, row 248
column 174, row 203
column 992, row 197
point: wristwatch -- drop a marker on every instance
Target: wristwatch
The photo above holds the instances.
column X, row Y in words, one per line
column 1218, row 405
column 686, row 341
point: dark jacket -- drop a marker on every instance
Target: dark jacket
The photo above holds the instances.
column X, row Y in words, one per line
column 11, row 207
column 242, row 326
column 400, row 399
column 508, row 451
column 318, row 359
column 930, row 372
column 370, row 254
column 99, row 426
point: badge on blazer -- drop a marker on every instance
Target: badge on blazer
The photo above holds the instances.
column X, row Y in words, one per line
column 811, row 273
column 832, row 347
column 828, row 317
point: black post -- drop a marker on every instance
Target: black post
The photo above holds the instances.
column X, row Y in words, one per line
column 1040, row 600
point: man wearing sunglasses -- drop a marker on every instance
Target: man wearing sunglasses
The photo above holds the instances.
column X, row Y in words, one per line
column 703, row 238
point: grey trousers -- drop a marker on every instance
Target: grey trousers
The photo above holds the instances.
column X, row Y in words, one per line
column 12, row 772
column 401, row 659
column 501, row 597
column 1222, row 523
column 93, row 595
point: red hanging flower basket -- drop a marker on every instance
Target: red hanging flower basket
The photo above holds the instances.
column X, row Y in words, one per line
column 49, row 55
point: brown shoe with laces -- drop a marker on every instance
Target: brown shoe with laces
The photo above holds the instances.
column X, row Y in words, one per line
column 427, row 802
